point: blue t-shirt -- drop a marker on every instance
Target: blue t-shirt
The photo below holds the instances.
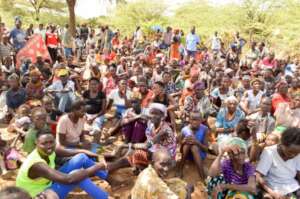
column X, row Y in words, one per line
column 192, row 40
column 18, row 36
column 199, row 135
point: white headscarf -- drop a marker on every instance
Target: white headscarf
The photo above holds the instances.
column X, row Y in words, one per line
column 158, row 106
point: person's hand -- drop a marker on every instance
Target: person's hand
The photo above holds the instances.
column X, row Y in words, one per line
column 144, row 117
column 102, row 165
column 65, row 90
column 277, row 195
column 191, row 140
column 47, row 194
column 90, row 154
column 137, row 117
column 229, row 149
column 218, row 189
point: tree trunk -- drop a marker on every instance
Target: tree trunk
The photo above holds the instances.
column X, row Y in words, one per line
column 72, row 17
column 37, row 15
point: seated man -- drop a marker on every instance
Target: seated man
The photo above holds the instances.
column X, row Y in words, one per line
column 16, row 95
column 151, row 182
column 278, row 170
column 63, row 90
column 37, row 174
column 119, row 98
column 194, row 144
column 263, row 119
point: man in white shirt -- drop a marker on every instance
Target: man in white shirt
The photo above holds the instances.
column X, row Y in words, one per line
column 41, row 31
column 216, row 43
column 63, row 90
column 192, row 40
column 278, row 170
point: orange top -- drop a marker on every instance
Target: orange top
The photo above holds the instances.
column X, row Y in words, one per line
column 174, row 51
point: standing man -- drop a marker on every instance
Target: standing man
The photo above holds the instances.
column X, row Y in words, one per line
column 216, row 43
column 192, row 40
column 17, row 35
column 67, row 41
column 41, row 31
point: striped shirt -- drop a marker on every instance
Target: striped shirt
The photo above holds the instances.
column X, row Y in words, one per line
column 232, row 177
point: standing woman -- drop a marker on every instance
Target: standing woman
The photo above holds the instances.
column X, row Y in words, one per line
column 52, row 42
column 37, row 174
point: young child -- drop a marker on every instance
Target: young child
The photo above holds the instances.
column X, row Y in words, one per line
column 21, row 120
column 52, row 113
column 194, row 144
column 256, row 149
column 39, row 122
column 8, row 66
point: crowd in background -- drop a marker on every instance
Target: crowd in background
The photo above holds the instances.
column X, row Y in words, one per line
column 171, row 97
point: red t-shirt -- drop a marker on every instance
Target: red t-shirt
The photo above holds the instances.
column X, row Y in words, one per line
column 52, row 40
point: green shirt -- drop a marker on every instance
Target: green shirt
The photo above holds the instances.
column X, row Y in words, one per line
column 34, row 186
column 29, row 142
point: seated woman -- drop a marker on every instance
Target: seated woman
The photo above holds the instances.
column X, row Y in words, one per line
column 134, row 123
column 70, row 128
column 287, row 114
column 37, row 174
column 233, row 177
column 95, row 107
column 194, row 144
column 35, row 87
column 227, row 119
column 159, row 134
column 151, row 182
column 278, row 171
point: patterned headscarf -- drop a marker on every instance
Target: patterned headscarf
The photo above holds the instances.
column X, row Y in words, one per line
column 236, row 141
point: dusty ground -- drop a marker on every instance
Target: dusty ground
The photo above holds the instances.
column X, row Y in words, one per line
column 122, row 192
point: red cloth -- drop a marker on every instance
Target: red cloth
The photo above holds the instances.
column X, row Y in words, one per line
column 35, row 46
column 269, row 63
column 277, row 99
column 52, row 40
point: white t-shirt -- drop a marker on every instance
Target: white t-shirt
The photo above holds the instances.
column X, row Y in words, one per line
column 215, row 43
column 279, row 174
column 117, row 100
